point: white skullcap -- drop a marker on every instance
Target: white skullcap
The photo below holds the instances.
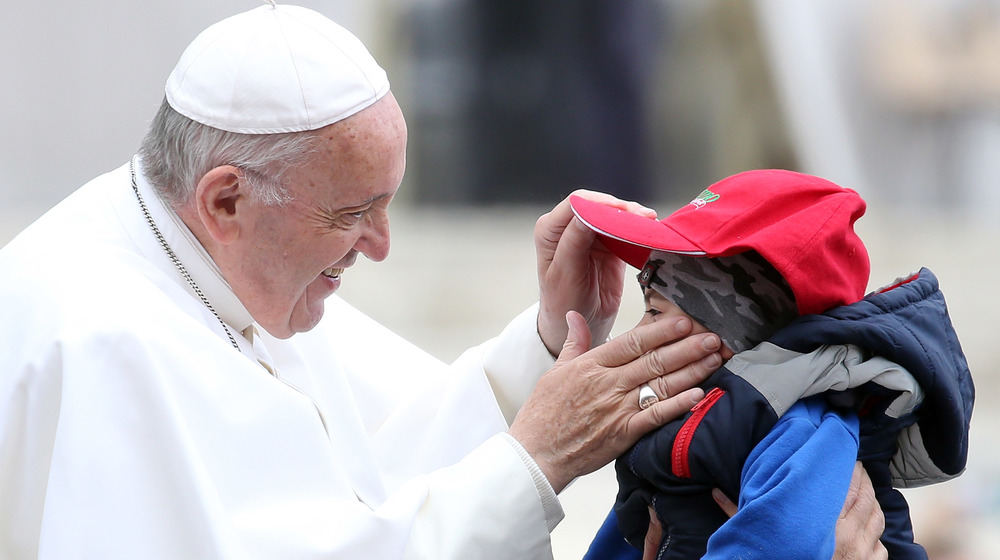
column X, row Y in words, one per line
column 274, row 69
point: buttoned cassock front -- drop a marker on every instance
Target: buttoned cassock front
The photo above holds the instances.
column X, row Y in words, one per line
column 131, row 428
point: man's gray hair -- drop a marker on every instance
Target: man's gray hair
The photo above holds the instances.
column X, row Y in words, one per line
column 177, row 152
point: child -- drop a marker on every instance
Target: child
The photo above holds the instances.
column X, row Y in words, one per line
column 817, row 377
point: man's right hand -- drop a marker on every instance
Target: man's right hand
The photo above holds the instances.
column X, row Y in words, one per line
column 577, row 272
column 585, row 411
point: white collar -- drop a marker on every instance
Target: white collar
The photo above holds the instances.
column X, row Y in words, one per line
column 195, row 258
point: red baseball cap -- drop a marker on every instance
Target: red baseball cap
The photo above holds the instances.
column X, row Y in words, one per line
column 803, row 225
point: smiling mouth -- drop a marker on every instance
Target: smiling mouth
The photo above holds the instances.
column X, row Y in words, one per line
column 333, row 272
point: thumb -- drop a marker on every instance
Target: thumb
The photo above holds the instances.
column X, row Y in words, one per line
column 577, row 340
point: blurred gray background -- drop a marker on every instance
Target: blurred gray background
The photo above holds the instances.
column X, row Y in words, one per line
column 513, row 104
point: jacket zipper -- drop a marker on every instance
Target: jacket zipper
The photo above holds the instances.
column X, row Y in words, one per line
column 682, row 443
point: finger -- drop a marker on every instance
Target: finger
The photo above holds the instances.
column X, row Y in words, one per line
column 682, row 379
column 549, row 228
column 688, row 376
column 610, row 200
column 677, row 365
column 861, row 522
column 876, row 527
column 724, row 502
column 876, row 519
column 577, row 340
column 575, row 239
column 651, row 544
column 662, row 412
column 631, row 344
column 576, row 243
column 853, row 490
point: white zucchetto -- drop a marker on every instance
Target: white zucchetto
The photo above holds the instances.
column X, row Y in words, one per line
column 274, row 69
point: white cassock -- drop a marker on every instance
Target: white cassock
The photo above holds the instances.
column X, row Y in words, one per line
column 130, row 427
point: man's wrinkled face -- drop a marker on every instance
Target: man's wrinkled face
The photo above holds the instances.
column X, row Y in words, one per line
column 295, row 254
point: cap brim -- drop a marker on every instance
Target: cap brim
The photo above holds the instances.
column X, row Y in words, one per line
column 630, row 236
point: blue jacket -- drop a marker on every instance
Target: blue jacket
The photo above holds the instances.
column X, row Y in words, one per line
column 883, row 380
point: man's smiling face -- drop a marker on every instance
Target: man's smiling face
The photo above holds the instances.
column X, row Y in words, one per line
column 289, row 258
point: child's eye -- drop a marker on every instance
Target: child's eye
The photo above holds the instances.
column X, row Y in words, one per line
column 652, row 312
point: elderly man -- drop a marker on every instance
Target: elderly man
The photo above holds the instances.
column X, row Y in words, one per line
column 155, row 404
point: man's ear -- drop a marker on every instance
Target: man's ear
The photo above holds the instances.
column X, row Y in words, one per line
column 221, row 198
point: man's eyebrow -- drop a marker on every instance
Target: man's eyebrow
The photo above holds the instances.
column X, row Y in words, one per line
column 363, row 203
column 372, row 200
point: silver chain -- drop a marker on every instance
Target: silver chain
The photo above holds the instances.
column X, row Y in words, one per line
column 173, row 256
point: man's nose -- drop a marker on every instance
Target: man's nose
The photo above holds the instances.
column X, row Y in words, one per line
column 374, row 243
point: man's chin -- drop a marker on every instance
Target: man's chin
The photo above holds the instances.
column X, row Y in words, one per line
column 305, row 322
column 297, row 323
column 305, row 315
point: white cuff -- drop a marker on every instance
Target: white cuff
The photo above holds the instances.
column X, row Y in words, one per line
column 550, row 502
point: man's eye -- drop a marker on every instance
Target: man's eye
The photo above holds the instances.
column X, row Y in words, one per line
column 348, row 219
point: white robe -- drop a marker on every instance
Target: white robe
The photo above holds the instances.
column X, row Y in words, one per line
column 131, row 428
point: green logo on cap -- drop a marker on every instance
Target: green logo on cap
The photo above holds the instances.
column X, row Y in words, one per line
column 704, row 198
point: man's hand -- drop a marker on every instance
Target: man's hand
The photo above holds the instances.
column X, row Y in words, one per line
column 861, row 522
column 858, row 530
column 585, row 411
column 576, row 272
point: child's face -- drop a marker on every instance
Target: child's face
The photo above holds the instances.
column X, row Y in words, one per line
column 659, row 307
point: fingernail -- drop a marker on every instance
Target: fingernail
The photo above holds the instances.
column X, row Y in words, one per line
column 683, row 325
column 712, row 360
column 711, row 343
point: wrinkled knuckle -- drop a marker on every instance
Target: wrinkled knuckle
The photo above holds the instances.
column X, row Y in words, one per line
column 654, row 362
column 671, row 383
column 633, row 343
column 656, row 414
column 662, row 387
column 542, row 222
column 879, row 521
